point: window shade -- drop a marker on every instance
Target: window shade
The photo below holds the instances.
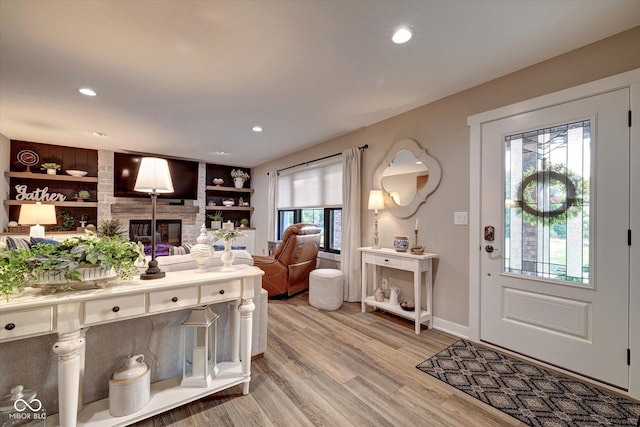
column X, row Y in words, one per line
column 314, row 186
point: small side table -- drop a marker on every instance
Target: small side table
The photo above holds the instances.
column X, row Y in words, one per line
column 420, row 265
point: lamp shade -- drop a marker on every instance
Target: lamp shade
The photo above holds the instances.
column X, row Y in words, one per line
column 376, row 199
column 31, row 214
column 154, row 176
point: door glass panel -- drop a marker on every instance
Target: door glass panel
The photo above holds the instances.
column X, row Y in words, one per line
column 546, row 199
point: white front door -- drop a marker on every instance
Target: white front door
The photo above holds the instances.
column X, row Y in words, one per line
column 555, row 253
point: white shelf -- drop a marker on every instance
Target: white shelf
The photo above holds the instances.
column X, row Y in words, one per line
column 397, row 310
column 165, row 395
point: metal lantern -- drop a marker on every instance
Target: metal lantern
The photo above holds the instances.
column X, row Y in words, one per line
column 199, row 343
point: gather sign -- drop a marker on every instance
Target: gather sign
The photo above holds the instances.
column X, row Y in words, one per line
column 38, row 195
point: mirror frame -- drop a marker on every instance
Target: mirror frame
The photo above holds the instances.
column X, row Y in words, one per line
column 433, row 167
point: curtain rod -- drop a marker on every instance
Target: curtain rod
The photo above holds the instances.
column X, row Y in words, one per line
column 364, row 147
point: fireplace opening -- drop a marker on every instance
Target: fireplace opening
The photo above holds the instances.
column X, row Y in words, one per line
column 168, row 233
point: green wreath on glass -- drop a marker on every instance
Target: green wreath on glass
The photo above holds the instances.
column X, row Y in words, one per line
column 572, row 186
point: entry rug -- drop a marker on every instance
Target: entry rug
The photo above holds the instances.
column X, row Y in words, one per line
column 533, row 395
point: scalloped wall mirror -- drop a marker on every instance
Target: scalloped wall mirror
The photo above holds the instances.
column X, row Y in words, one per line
column 407, row 176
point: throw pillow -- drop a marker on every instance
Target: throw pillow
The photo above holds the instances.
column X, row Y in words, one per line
column 236, row 248
column 14, row 243
column 38, row 240
column 180, row 250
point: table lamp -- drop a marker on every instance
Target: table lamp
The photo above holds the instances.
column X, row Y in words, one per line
column 37, row 214
column 376, row 201
column 153, row 178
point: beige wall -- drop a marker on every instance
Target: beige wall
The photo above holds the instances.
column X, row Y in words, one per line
column 441, row 128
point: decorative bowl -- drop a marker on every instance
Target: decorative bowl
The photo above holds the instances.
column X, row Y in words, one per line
column 408, row 306
column 228, row 202
column 218, row 181
column 74, row 172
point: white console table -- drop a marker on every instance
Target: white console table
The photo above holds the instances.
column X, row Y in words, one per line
column 69, row 314
column 420, row 265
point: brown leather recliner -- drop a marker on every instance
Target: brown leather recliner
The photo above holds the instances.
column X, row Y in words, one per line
column 287, row 271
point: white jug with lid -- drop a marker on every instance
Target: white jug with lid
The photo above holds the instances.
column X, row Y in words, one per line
column 129, row 387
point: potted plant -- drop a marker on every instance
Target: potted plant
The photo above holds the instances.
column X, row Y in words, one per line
column 111, row 228
column 83, row 195
column 239, row 177
column 50, row 167
column 227, row 235
column 244, row 222
column 54, row 267
column 216, row 219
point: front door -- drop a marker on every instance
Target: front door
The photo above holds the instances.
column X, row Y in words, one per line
column 555, row 252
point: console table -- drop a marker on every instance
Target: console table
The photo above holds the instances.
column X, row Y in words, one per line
column 69, row 314
column 420, row 265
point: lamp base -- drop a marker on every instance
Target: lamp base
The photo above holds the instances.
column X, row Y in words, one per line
column 153, row 272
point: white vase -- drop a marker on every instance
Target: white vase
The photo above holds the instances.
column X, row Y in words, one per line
column 238, row 182
column 216, row 224
column 51, row 171
column 227, row 256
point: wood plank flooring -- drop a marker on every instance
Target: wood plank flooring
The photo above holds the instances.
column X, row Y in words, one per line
column 339, row 368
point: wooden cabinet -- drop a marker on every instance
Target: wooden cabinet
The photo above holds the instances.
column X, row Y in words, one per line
column 216, row 194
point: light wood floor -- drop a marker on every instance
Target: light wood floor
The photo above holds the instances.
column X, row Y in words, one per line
column 340, row 368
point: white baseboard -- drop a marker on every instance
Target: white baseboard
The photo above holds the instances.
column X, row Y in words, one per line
column 450, row 327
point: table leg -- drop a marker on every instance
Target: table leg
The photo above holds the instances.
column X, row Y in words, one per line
column 417, row 294
column 68, row 349
column 246, row 318
column 234, row 318
column 364, row 284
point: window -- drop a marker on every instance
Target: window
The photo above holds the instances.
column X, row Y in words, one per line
column 313, row 194
column 547, row 205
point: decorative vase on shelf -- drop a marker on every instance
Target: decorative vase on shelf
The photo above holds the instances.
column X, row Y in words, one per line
column 238, row 182
column 51, row 171
column 401, row 243
column 379, row 294
column 227, row 256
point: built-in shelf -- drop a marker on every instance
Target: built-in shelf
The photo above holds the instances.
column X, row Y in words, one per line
column 62, row 204
column 230, row 208
column 47, row 177
column 233, row 189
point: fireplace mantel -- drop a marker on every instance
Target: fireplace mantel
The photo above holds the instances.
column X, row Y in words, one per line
column 145, row 209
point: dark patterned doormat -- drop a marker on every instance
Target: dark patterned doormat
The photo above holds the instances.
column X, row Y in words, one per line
column 533, row 395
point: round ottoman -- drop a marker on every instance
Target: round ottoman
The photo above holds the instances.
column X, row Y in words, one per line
column 325, row 288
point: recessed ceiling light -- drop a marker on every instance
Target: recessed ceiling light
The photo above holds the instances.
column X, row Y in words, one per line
column 219, row 153
column 402, row 35
column 87, row 91
column 100, row 134
column 257, row 129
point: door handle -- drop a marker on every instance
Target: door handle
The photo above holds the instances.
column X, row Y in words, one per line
column 490, row 249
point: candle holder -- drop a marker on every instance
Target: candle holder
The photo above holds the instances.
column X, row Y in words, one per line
column 417, row 249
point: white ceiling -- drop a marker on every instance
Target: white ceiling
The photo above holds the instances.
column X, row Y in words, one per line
column 188, row 78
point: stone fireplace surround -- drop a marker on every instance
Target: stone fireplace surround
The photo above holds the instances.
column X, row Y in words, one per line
column 191, row 213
